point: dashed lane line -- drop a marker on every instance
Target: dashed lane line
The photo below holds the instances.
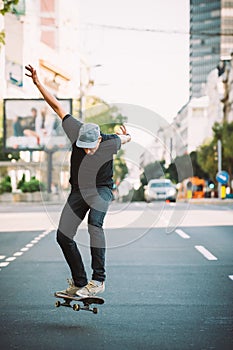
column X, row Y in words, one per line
column 4, row 264
column 11, row 258
column 27, row 247
column 182, row 234
column 206, row 253
column 18, row 254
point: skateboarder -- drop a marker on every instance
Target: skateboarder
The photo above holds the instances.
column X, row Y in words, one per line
column 91, row 171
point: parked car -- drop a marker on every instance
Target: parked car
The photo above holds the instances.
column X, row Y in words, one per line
column 160, row 189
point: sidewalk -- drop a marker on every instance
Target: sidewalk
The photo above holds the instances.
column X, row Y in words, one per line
column 209, row 201
column 58, row 205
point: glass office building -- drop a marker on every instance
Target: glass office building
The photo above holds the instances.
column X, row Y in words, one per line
column 211, row 39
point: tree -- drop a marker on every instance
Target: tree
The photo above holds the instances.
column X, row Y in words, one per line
column 197, row 170
column 206, row 159
column 109, row 118
column 7, row 6
column 206, row 153
column 7, row 155
column 227, row 147
column 120, row 167
column 171, row 172
column 154, row 170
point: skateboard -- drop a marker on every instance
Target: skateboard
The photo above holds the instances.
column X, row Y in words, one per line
column 86, row 302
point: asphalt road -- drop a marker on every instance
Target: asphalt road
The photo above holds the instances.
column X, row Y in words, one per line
column 164, row 290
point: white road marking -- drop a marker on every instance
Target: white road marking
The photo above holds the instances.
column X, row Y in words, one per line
column 24, row 249
column 182, row 234
column 12, row 258
column 231, row 277
column 18, row 254
column 205, row 252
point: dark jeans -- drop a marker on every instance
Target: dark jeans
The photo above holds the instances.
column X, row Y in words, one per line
column 96, row 201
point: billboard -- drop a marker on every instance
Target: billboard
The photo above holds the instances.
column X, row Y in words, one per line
column 30, row 124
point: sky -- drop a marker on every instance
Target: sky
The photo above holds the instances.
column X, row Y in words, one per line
column 141, row 49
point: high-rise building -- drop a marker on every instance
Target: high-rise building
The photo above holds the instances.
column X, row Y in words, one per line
column 211, row 39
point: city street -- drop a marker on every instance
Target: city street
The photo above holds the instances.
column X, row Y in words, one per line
column 169, row 279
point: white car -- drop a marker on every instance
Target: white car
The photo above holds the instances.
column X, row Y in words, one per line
column 160, row 189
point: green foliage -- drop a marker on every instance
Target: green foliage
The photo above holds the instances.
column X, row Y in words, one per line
column 7, row 155
column 2, row 38
column 154, row 170
column 21, row 182
column 206, row 159
column 197, row 170
column 120, row 169
column 171, row 172
column 108, row 118
column 138, row 195
column 8, row 6
column 206, row 153
column 183, row 167
column 5, row 185
column 33, row 185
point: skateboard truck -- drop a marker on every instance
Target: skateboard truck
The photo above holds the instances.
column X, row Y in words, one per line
column 77, row 307
column 86, row 301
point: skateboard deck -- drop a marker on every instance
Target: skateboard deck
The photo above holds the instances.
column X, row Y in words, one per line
column 86, row 302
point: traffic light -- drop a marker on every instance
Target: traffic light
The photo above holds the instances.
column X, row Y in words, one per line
column 211, row 184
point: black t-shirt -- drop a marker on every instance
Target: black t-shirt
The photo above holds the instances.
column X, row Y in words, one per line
column 90, row 171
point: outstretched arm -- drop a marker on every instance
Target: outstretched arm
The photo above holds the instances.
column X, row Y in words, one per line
column 49, row 98
column 124, row 136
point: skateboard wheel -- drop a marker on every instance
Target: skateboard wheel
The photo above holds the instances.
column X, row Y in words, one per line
column 57, row 304
column 95, row 310
column 76, row 307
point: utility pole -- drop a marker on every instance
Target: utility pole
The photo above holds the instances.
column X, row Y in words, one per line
column 219, row 165
column 81, row 95
column 50, row 152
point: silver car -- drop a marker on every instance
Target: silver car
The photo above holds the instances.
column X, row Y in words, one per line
column 160, row 189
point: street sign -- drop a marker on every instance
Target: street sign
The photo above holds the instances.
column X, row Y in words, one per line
column 222, row 177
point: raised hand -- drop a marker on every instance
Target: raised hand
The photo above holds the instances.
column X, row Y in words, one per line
column 33, row 74
column 124, row 136
column 123, row 130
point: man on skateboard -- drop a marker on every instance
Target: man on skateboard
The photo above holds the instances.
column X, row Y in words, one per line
column 91, row 171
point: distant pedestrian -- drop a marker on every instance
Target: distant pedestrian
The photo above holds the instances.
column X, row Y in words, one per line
column 91, row 192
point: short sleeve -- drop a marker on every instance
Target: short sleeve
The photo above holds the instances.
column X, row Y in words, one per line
column 112, row 142
column 118, row 143
column 71, row 127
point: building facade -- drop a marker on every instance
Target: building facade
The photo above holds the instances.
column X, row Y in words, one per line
column 44, row 34
column 211, row 39
column 191, row 126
